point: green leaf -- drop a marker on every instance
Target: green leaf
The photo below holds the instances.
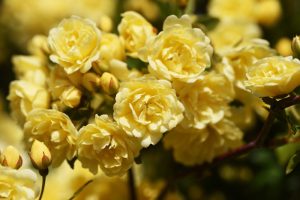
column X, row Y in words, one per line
column 297, row 90
column 293, row 162
column 135, row 63
column 209, row 22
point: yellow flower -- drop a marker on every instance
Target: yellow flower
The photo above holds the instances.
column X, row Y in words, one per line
column 284, row 46
column 38, row 46
column 103, row 143
column 205, row 101
column 244, row 55
column 55, row 129
column 17, row 184
column 266, row 12
column 111, row 47
column 179, row 52
column 146, row 108
column 229, row 33
column 135, row 31
column 232, row 9
column 273, row 76
column 24, row 97
column 31, row 69
column 74, row 44
column 62, row 89
column 196, row 146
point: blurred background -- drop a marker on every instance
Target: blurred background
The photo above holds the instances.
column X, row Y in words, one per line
column 260, row 175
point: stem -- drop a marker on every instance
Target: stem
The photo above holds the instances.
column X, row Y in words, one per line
column 44, row 174
column 131, row 184
column 190, row 8
column 80, row 189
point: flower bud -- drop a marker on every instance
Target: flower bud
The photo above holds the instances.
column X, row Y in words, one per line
column 91, row 81
column 109, row 83
column 296, row 46
column 11, row 158
column 40, row 155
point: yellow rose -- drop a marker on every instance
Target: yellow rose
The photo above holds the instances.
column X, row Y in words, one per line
column 135, row 31
column 64, row 93
column 229, row 33
column 205, row 101
column 232, row 9
column 266, row 12
column 179, row 52
column 55, row 130
column 38, row 46
column 273, row 76
column 111, row 47
column 103, row 143
column 146, row 108
column 244, row 55
column 196, row 146
column 31, row 69
column 18, row 184
column 24, row 97
column 74, row 44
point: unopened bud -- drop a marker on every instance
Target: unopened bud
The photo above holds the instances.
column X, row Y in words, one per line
column 71, row 96
column 296, row 46
column 38, row 45
column 40, row 155
column 11, row 158
column 109, row 83
column 91, row 81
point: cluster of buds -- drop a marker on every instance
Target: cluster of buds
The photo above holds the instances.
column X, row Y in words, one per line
column 107, row 82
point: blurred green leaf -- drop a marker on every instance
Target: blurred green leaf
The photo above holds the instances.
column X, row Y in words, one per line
column 209, row 22
column 293, row 162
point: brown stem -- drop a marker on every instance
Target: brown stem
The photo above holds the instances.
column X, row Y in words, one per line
column 44, row 174
column 131, row 184
column 80, row 189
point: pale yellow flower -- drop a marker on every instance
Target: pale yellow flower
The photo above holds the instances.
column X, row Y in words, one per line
column 179, row 52
column 135, row 31
column 30, row 68
column 74, row 44
column 147, row 8
column 196, row 146
column 146, row 108
column 273, row 76
column 64, row 93
column 103, row 143
column 232, row 9
column 24, row 97
column 266, row 12
column 244, row 55
column 111, row 47
column 229, row 33
column 205, row 101
column 18, row 184
column 55, row 129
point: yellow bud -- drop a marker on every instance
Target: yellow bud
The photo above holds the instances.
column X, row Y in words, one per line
column 283, row 46
column 109, row 83
column 106, row 23
column 71, row 97
column 296, row 46
column 91, row 81
column 40, row 155
column 11, row 158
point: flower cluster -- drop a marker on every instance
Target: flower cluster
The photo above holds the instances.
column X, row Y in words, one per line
column 87, row 95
